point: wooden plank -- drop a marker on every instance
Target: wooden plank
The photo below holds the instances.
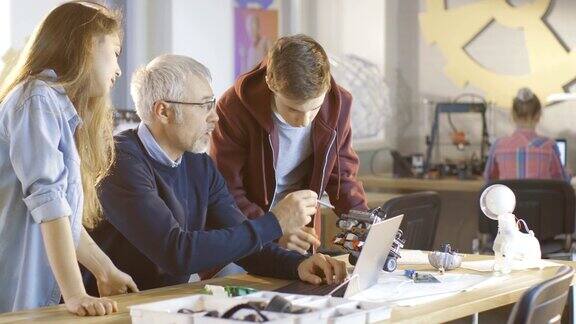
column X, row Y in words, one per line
column 382, row 182
column 450, row 308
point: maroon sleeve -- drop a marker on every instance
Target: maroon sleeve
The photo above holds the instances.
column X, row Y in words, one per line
column 229, row 150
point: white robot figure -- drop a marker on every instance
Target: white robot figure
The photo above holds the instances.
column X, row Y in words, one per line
column 498, row 202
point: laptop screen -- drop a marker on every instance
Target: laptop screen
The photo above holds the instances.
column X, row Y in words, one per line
column 561, row 143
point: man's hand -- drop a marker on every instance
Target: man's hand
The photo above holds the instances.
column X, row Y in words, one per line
column 300, row 241
column 320, row 267
column 295, row 210
column 115, row 282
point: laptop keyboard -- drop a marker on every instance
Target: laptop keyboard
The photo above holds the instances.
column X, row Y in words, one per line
column 303, row 288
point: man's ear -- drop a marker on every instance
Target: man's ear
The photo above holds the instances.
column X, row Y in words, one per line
column 160, row 111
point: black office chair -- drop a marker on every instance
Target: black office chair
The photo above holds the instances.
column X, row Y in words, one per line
column 547, row 206
column 544, row 302
column 421, row 212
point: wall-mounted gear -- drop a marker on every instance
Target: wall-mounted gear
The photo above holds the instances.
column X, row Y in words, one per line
column 552, row 67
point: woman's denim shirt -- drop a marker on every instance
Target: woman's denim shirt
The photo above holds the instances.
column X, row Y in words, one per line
column 39, row 182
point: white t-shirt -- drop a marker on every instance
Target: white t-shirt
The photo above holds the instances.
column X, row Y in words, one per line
column 294, row 157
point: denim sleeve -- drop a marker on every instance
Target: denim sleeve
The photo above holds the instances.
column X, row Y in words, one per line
column 35, row 133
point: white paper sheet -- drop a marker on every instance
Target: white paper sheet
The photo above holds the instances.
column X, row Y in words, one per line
column 427, row 299
column 400, row 290
column 413, row 257
column 421, row 300
column 488, row 265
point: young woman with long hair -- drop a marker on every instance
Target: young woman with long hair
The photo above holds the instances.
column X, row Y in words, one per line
column 55, row 146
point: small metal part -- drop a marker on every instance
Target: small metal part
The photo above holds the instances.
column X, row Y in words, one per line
column 446, row 259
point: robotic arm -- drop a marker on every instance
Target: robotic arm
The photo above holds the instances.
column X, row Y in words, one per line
column 355, row 226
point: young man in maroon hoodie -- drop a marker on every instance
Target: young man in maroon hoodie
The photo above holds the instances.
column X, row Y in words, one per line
column 285, row 126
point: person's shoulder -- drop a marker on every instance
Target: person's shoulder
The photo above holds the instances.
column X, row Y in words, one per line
column 344, row 96
column 344, row 93
column 129, row 158
column 546, row 139
column 127, row 143
column 126, row 138
column 36, row 90
column 229, row 100
column 507, row 140
column 547, row 142
column 40, row 87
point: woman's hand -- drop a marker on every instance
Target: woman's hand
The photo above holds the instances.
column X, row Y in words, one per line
column 85, row 305
column 115, row 282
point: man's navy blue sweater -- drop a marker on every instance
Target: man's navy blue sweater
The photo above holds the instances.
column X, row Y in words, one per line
column 163, row 224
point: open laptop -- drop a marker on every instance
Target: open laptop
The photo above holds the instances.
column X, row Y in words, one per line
column 370, row 262
column 563, row 148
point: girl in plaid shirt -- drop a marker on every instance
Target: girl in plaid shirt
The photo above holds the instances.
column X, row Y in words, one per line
column 525, row 154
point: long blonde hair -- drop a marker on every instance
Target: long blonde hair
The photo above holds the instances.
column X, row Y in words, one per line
column 63, row 43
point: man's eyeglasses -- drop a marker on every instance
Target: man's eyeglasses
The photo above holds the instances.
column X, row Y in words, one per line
column 206, row 106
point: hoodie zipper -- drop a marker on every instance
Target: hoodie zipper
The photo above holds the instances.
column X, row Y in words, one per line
column 319, row 193
column 325, row 163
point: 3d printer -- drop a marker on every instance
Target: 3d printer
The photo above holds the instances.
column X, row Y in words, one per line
column 469, row 168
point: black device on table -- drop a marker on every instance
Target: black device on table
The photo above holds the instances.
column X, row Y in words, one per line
column 563, row 149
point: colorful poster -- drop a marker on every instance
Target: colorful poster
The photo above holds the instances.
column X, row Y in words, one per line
column 254, row 32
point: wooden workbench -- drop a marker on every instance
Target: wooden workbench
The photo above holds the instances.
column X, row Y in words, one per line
column 449, row 308
column 386, row 181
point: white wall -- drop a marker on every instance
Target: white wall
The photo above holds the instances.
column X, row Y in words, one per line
column 359, row 28
column 25, row 16
column 18, row 18
column 360, row 20
column 147, row 33
column 5, row 30
column 203, row 29
column 348, row 27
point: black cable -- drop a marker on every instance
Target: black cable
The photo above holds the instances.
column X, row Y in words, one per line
column 471, row 95
column 454, row 129
column 457, row 99
column 229, row 313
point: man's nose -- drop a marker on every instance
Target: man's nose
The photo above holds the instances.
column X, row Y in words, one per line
column 213, row 116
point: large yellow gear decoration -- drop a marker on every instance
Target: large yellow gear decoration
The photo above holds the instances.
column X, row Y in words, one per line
column 551, row 66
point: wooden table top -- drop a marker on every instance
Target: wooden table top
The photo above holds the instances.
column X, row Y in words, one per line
column 387, row 182
column 446, row 309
